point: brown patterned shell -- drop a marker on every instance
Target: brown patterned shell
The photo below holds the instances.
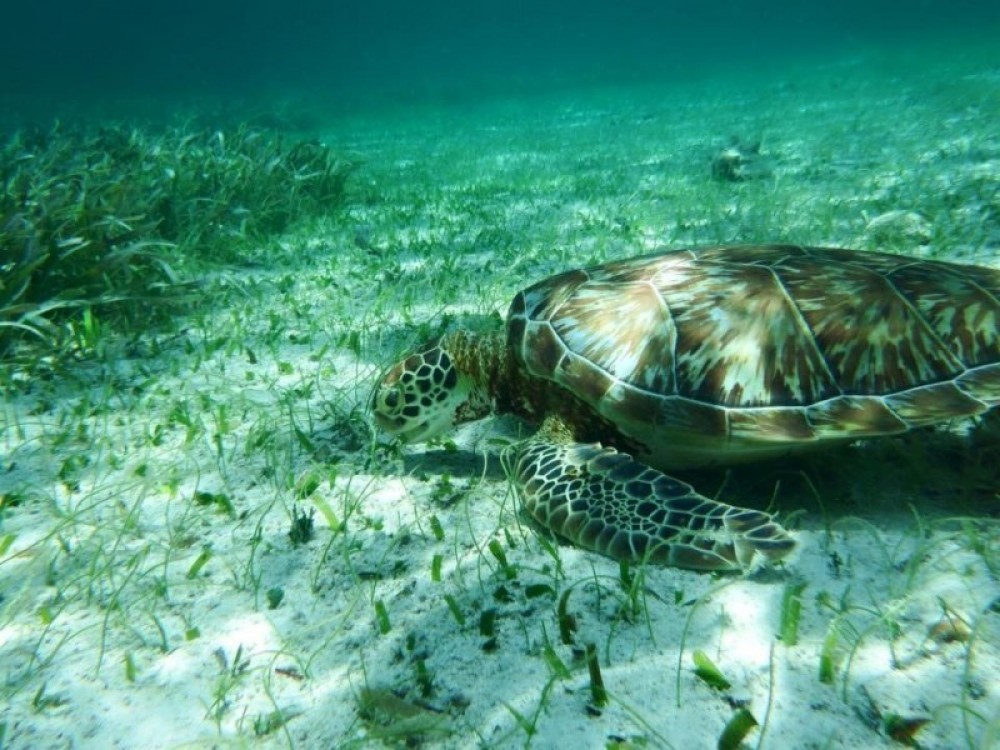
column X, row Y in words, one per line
column 741, row 352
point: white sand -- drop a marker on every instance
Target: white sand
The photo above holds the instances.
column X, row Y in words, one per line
column 264, row 396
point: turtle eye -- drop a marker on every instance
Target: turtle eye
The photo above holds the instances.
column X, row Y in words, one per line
column 391, row 399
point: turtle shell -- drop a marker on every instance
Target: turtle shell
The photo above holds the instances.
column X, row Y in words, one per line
column 732, row 353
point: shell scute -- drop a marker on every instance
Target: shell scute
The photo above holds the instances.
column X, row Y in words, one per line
column 854, row 416
column 579, row 376
column 542, row 349
column 933, row 403
column 543, row 300
column 723, row 350
column 741, row 340
column 622, row 401
column 691, row 418
column 871, row 336
column 982, row 383
column 622, row 328
column 957, row 306
column 779, row 424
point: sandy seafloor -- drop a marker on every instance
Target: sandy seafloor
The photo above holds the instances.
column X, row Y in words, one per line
column 150, row 492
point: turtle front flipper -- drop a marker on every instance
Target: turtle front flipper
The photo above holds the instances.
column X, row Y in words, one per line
column 608, row 502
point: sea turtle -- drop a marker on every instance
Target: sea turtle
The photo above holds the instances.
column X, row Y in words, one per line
column 698, row 357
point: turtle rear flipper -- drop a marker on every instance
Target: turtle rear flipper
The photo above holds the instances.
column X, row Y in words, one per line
column 606, row 501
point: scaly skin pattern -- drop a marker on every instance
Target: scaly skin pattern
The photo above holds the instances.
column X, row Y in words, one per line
column 698, row 357
column 594, row 496
column 605, row 501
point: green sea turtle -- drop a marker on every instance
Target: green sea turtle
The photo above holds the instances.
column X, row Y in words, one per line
column 698, row 357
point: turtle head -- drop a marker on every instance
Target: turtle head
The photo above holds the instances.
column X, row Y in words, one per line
column 425, row 395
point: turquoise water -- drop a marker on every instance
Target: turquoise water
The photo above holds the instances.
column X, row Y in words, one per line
column 342, row 56
column 151, row 592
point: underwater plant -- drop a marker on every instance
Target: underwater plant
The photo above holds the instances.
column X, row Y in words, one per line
column 108, row 220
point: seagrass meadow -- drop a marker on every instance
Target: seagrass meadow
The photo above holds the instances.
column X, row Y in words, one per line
column 205, row 543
